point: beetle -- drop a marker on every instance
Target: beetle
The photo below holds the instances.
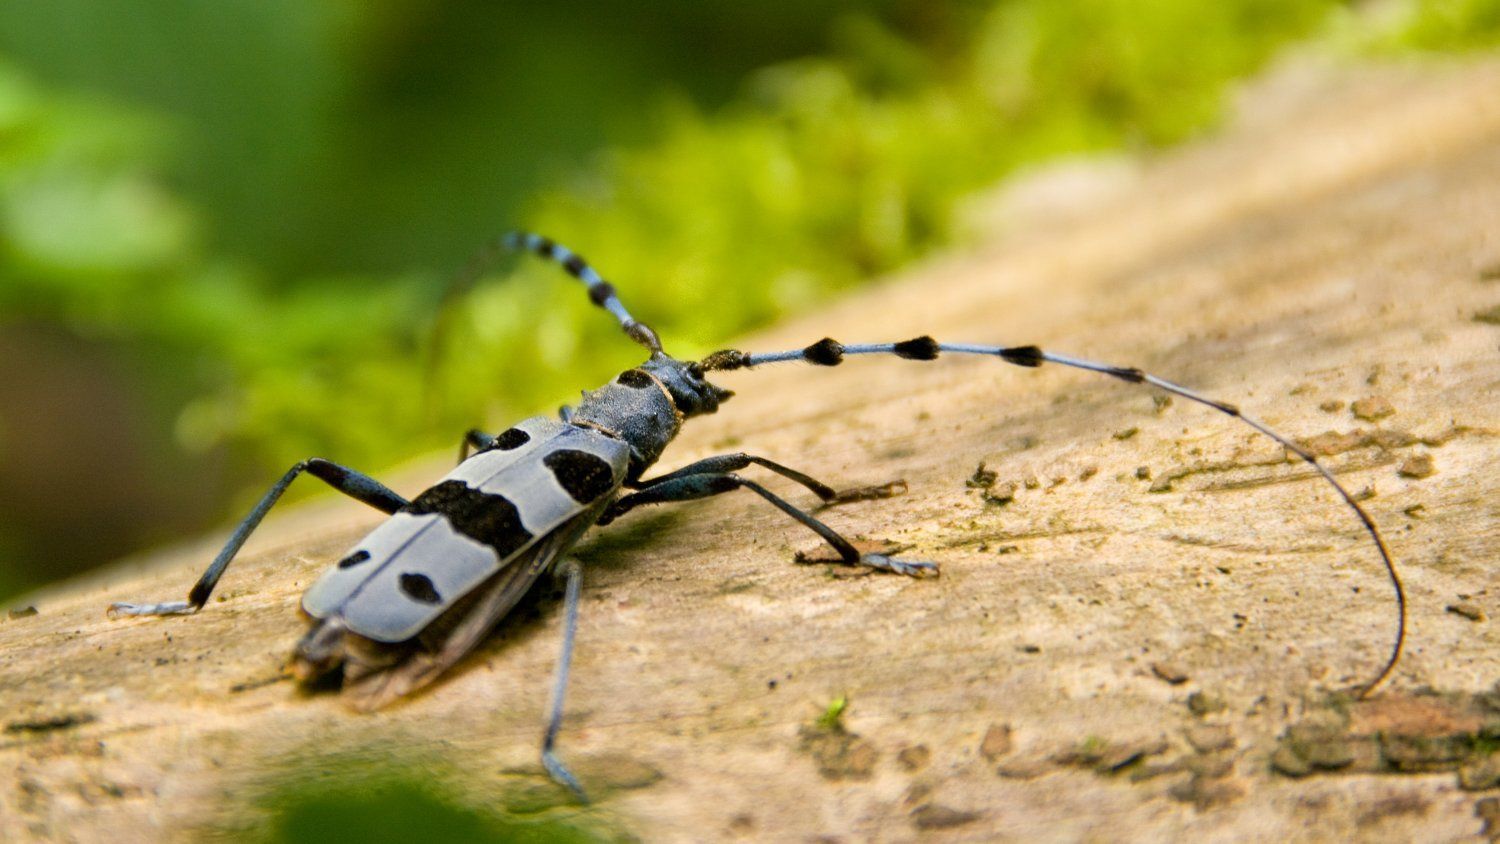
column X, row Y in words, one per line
column 427, row 585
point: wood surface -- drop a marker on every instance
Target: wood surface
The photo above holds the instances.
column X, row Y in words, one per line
column 1129, row 617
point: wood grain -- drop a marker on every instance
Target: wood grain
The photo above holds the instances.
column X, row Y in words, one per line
column 1339, row 242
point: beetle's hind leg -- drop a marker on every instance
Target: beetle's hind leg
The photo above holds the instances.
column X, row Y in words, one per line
column 726, row 463
column 555, row 767
column 690, row 487
column 351, row 483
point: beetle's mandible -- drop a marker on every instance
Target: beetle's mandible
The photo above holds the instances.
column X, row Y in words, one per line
column 427, row 585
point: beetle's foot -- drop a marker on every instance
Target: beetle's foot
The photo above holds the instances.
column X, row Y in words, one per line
column 169, row 608
column 881, row 562
column 867, row 493
column 562, row 776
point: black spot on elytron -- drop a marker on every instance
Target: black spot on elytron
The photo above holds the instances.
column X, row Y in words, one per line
column 512, row 438
column 634, row 378
column 601, row 293
column 354, row 559
column 1022, row 356
column 418, row 587
column 918, row 348
column 574, row 265
column 491, row 519
column 825, row 352
column 586, row 477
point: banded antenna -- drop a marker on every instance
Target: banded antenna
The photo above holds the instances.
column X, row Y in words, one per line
column 830, row 352
column 600, row 291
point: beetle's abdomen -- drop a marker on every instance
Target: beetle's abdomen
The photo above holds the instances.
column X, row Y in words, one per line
column 457, row 534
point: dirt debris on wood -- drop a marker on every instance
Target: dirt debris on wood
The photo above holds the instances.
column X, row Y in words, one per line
column 1398, row 734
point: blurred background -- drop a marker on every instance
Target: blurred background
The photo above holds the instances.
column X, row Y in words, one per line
column 225, row 226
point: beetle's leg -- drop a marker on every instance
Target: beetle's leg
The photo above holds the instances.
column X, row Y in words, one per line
column 725, row 463
column 476, row 440
column 349, row 482
column 555, row 768
column 690, row 487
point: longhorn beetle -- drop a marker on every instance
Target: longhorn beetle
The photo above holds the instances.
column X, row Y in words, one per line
column 422, row 589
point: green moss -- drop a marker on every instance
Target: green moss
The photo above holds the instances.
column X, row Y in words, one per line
column 1091, row 747
column 832, row 719
column 1483, row 743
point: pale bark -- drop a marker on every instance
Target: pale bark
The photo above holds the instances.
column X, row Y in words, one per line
column 1341, row 241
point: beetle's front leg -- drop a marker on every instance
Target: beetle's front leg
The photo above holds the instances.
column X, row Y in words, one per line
column 690, row 487
column 725, row 463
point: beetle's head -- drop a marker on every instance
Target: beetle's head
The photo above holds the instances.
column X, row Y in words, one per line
column 690, row 391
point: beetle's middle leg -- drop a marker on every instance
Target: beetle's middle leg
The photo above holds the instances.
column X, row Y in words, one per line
column 691, row 487
column 726, row 463
column 351, row 483
column 475, row 439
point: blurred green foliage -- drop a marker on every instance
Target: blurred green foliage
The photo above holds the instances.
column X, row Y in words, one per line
column 397, row 811
column 1433, row 25
column 382, row 793
column 254, row 204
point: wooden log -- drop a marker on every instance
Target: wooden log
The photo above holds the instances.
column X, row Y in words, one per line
column 1134, row 582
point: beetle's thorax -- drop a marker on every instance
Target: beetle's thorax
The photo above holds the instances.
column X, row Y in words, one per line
column 646, row 406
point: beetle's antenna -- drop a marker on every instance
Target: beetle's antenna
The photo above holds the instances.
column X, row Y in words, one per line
column 830, row 352
column 601, row 292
